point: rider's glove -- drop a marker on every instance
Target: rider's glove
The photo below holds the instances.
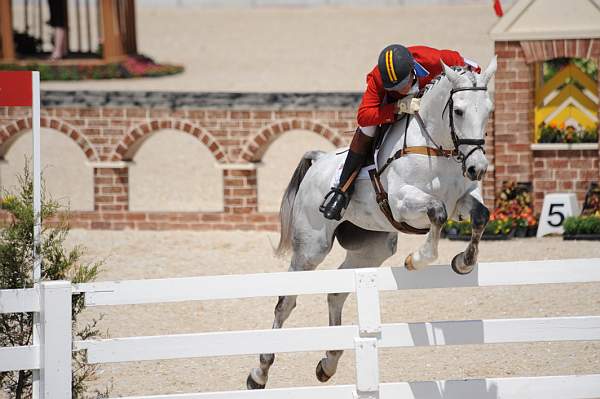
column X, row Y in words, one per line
column 408, row 105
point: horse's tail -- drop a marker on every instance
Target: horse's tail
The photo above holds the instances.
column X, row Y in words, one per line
column 286, row 210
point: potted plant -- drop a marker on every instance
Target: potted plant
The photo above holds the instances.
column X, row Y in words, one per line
column 532, row 226
column 499, row 229
column 520, row 227
column 582, row 227
column 514, row 203
column 454, row 230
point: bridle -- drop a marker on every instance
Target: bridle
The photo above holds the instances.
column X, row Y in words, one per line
column 478, row 143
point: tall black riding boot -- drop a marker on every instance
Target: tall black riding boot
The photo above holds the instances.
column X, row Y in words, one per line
column 338, row 198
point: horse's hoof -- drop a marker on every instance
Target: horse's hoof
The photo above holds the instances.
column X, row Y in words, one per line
column 251, row 384
column 321, row 376
column 409, row 264
column 456, row 261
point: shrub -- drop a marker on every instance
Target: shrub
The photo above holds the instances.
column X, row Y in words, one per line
column 582, row 225
column 16, row 260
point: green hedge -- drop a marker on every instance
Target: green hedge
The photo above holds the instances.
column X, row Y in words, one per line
column 582, row 225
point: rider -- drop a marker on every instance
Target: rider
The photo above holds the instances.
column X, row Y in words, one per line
column 391, row 86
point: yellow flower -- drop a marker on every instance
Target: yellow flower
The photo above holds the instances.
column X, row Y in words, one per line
column 7, row 201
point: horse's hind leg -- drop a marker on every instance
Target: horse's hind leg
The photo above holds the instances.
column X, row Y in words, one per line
column 308, row 254
column 365, row 249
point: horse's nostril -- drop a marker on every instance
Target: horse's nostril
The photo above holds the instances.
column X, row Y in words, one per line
column 471, row 170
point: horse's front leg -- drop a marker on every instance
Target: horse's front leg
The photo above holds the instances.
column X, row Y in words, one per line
column 465, row 262
column 413, row 204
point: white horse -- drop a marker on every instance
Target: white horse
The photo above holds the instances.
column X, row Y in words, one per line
column 423, row 192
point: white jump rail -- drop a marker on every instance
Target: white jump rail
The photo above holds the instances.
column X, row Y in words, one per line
column 309, row 339
column 555, row 387
column 328, row 281
column 367, row 336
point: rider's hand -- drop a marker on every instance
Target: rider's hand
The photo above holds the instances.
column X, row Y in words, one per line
column 408, row 105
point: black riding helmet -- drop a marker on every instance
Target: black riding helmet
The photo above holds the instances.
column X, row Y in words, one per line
column 395, row 64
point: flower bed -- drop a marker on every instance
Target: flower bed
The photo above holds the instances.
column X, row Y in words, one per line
column 512, row 217
column 133, row 67
column 554, row 133
column 494, row 230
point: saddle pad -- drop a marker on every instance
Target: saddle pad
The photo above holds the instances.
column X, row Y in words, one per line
column 362, row 175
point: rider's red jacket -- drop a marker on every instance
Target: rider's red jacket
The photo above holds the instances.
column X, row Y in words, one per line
column 374, row 110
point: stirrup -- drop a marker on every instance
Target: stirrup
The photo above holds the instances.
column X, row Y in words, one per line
column 345, row 196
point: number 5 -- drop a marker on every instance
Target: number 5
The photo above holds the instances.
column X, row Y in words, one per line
column 552, row 212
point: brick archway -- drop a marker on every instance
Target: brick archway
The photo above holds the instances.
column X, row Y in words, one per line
column 10, row 131
column 543, row 50
column 132, row 140
column 260, row 142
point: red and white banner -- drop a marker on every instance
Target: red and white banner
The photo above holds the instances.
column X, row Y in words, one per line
column 16, row 89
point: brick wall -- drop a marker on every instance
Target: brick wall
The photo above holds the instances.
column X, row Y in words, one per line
column 236, row 128
column 548, row 170
column 513, row 115
column 563, row 171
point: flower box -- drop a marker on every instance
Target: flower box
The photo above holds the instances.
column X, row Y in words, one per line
column 574, row 237
column 554, row 133
column 564, row 146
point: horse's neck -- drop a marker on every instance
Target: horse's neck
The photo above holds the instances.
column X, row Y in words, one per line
column 432, row 105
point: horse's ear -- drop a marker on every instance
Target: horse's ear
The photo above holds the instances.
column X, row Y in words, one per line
column 490, row 70
column 451, row 74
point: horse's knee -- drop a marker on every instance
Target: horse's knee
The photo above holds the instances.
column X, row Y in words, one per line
column 285, row 304
column 480, row 215
column 436, row 211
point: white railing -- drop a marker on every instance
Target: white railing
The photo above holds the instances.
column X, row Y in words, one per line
column 365, row 338
column 52, row 356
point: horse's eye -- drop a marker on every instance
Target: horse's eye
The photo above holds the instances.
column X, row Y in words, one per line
column 458, row 112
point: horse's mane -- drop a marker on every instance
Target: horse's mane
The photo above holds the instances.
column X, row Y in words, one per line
column 461, row 70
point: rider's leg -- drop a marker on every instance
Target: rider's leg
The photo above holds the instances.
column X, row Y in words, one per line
column 337, row 199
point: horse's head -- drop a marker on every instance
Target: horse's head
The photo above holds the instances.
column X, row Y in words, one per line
column 467, row 112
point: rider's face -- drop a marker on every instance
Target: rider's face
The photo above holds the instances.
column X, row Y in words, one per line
column 406, row 88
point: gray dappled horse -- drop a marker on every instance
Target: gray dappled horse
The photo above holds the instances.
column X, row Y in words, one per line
column 422, row 192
